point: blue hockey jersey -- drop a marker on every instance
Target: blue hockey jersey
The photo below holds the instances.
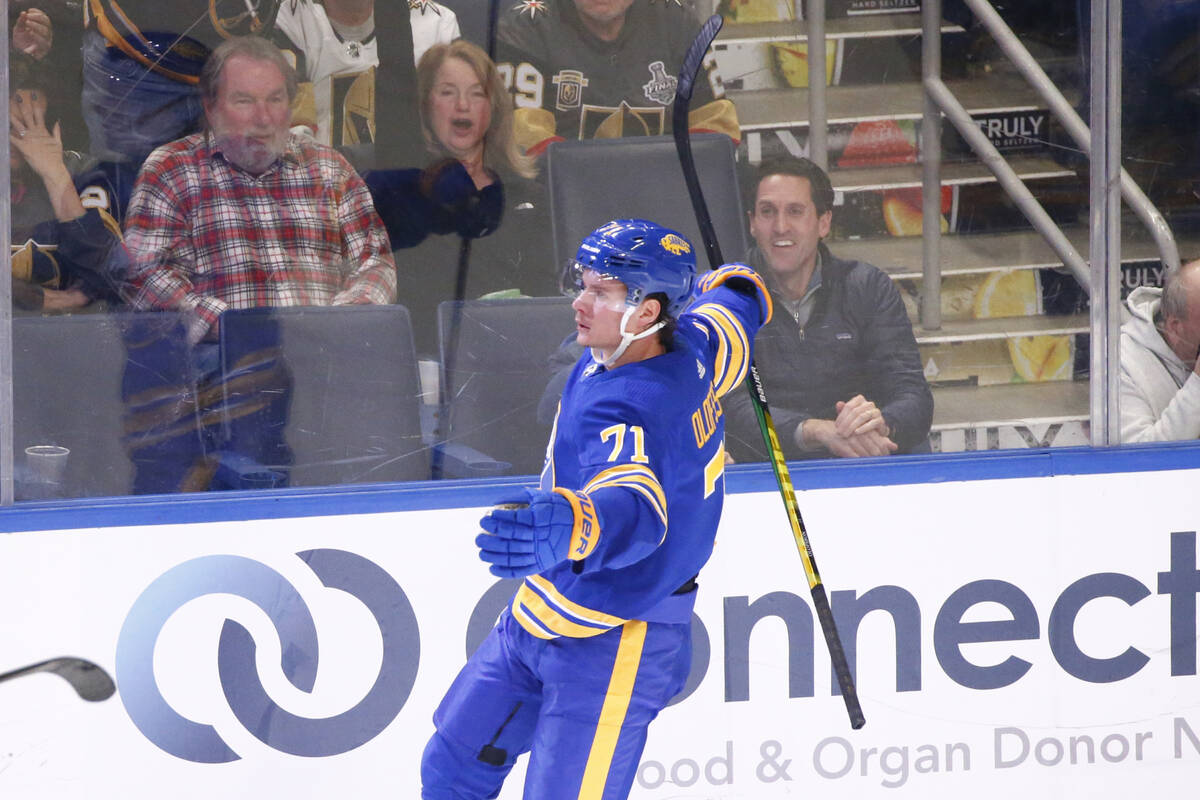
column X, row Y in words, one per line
column 645, row 442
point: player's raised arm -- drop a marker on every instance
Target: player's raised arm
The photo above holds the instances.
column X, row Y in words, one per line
column 733, row 304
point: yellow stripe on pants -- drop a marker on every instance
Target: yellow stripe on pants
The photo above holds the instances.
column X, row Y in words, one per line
column 612, row 714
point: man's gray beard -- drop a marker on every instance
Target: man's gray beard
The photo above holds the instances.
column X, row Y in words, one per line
column 251, row 156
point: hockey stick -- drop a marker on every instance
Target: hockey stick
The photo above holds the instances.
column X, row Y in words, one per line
column 692, row 63
column 88, row 680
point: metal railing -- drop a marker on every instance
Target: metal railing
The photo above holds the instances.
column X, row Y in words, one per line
column 1109, row 183
column 818, row 114
column 1100, row 143
column 6, row 340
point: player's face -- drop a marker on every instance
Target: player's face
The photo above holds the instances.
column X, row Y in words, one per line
column 602, row 11
column 251, row 113
column 785, row 223
column 598, row 311
column 461, row 110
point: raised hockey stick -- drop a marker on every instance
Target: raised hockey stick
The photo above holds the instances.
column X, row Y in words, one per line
column 88, row 680
column 692, row 63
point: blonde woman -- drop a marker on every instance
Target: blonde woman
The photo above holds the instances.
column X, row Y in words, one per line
column 471, row 222
column 467, row 114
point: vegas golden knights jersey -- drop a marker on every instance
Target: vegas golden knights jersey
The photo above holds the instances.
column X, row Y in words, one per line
column 569, row 84
column 337, row 100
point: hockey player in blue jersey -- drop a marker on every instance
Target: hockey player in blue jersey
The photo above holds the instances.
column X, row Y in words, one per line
column 597, row 639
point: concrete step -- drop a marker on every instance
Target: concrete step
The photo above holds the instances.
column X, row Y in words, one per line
column 885, row 200
column 1052, row 402
column 908, row 176
column 901, row 257
column 870, row 26
column 1003, row 328
column 768, row 109
column 863, row 50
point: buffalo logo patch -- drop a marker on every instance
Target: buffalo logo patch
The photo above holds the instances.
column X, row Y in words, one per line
column 675, row 244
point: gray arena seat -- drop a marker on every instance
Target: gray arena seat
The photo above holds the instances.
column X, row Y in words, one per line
column 333, row 391
column 87, row 382
column 598, row 180
column 495, row 376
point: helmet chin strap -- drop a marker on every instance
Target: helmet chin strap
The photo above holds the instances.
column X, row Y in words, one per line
column 626, row 338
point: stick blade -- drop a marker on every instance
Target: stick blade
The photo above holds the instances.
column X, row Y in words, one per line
column 89, row 680
column 695, row 55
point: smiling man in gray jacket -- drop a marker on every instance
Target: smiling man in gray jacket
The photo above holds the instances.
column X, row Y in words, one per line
column 838, row 360
column 1160, row 386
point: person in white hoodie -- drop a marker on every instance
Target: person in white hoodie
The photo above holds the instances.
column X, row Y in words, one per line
column 1160, row 382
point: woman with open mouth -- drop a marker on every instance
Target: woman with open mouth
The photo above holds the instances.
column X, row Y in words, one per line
column 477, row 185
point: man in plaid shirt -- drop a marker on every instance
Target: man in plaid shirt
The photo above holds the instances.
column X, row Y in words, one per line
column 242, row 215
column 245, row 214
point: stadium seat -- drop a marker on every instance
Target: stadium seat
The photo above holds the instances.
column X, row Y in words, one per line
column 88, row 382
column 597, row 180
column 492, row 381
column 318, row 396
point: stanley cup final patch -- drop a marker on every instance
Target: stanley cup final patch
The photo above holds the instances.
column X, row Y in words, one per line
column 661, row 88
column 570, row 83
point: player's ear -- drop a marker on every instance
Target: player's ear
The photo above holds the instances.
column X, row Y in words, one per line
column 648, row 313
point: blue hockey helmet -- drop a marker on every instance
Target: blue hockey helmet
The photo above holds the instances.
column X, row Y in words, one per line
column 641, row 254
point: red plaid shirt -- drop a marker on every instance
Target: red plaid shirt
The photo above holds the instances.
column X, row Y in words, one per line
column 205, row 235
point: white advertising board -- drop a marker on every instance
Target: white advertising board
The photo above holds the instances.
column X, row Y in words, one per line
column 1031, row 637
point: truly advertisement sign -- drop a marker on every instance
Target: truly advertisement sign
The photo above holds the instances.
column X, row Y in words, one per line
column 1028, row 635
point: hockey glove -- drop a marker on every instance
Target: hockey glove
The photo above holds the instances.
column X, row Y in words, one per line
column 741, row 279
column 538, row 530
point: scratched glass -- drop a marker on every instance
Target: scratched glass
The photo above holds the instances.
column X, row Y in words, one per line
column 212, row 364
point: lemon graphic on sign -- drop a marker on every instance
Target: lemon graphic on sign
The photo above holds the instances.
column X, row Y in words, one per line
column 1034, row 358
column 1008, row 294
column 756, row 10
column 1043, row 358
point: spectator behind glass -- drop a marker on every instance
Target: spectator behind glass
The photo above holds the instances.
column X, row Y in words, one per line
column 1160, row 385
column 67, row 249
column 477, row 199
column 594, row 69
column 50, row 32
column 466, row 113
column 33, row 33
column 243, row 215
column 838, row 360
column 141, row 67
column 246, row 214
column 336, row 47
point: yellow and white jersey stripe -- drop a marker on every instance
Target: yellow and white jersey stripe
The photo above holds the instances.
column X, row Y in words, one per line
column 547, row 614
column 637, row 477
column 732, row 359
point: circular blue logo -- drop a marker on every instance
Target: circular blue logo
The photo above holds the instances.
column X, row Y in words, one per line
column 240, row 682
